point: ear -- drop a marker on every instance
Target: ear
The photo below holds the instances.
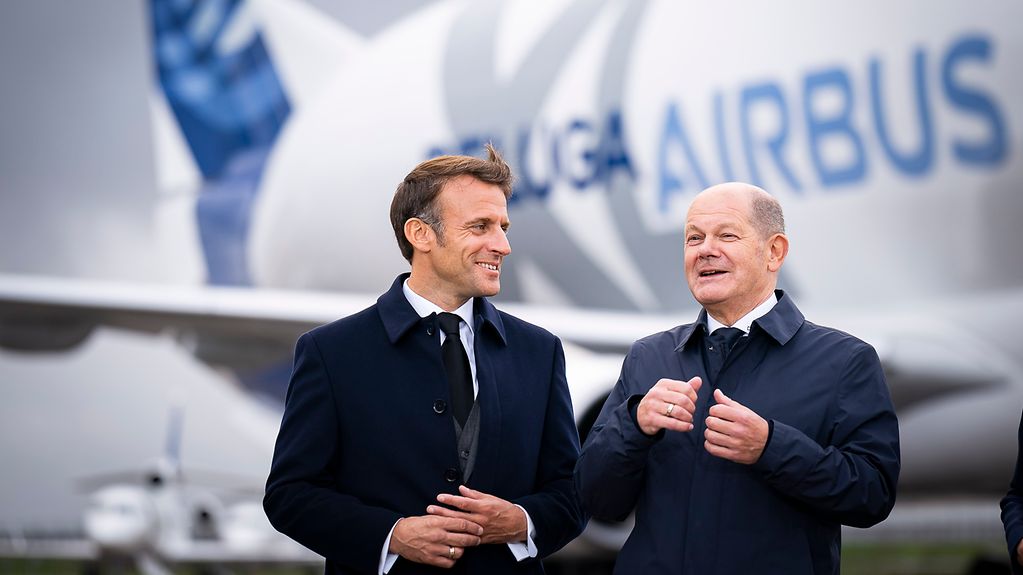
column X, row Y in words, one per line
column 777, row 249
column 419, row 234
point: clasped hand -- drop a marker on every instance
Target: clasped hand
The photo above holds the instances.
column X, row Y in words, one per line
column 734, row 431
column 440, row 537
column 669, row 404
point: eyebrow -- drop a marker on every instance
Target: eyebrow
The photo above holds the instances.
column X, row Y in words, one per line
column 487, row 220
column 723, row 227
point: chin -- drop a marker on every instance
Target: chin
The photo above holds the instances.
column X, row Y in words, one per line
column 489, row 289
column 709, row 299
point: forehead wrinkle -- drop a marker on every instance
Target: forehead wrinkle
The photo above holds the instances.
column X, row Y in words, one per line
column 480, row 210
column 721, row 216
column 714, row 223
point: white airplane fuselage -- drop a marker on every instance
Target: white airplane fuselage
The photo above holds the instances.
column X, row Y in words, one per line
column 891, row 133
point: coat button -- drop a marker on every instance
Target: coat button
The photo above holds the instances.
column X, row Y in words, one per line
column 429, row 331
column 451, row 475
column 439, row 406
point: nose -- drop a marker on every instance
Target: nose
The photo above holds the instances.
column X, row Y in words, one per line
column 707, row 248
column 501, row 245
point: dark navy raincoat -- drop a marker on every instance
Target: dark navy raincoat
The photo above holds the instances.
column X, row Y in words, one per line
column 832, row 456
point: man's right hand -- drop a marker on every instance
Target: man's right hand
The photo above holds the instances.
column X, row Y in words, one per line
column 654, row 412
column 430, row 539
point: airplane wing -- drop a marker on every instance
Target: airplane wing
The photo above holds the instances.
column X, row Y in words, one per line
column 228, row 327
column 44, row 313
column 236, row 327
column 252, row 332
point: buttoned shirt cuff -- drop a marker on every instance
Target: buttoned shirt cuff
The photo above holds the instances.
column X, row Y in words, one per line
column 387, row 559
column 524, row 550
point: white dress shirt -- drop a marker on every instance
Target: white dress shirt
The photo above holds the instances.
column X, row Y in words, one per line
column 745, row 322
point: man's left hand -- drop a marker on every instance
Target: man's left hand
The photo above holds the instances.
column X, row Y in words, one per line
column 502, row 521
column 734, row 431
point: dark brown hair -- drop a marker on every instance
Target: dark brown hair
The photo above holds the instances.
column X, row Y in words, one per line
column 416, row 196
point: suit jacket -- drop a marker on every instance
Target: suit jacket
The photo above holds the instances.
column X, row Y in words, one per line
column 832, row 456
column 1012, row 508
column 367, row 437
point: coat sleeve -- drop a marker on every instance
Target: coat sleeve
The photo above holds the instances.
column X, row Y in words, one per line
column 301, row 500
column 554, row 506
column 1012, row 508
column 851, row 478
column 612, row 467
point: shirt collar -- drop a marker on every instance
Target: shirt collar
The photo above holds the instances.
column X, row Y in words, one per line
column 425, row 307
column 781, row 322
column 745, row 322
column 398, row 315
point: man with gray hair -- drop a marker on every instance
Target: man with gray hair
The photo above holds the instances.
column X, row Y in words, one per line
column 743, row 441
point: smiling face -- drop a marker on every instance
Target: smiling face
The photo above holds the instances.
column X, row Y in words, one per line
column 464, row 260
column 730, row 265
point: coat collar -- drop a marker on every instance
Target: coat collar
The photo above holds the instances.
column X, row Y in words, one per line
column 781, row 323
column 399, row 316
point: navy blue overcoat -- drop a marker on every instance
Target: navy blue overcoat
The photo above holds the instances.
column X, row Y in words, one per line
column 367, row 437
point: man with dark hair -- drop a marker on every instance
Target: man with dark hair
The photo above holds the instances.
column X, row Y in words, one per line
column 416, row 196
column 431, row 430
column 745, row 440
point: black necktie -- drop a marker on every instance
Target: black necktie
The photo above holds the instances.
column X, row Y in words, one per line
column 456, row 364
column 719, row 344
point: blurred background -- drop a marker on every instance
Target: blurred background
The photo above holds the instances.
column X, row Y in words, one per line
column 186, row 186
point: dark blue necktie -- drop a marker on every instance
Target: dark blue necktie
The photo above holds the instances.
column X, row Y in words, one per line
column 456, row 364
column 719, row 344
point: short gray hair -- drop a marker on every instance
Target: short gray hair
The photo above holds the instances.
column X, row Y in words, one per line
column 767, row 216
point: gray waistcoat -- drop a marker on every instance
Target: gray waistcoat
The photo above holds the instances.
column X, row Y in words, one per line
column 468, row 438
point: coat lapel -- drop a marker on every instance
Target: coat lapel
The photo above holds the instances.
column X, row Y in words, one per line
column 489, row 347
column 483, row 475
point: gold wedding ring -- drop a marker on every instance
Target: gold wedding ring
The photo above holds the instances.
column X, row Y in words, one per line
column 671, row 407
column 451, row 552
